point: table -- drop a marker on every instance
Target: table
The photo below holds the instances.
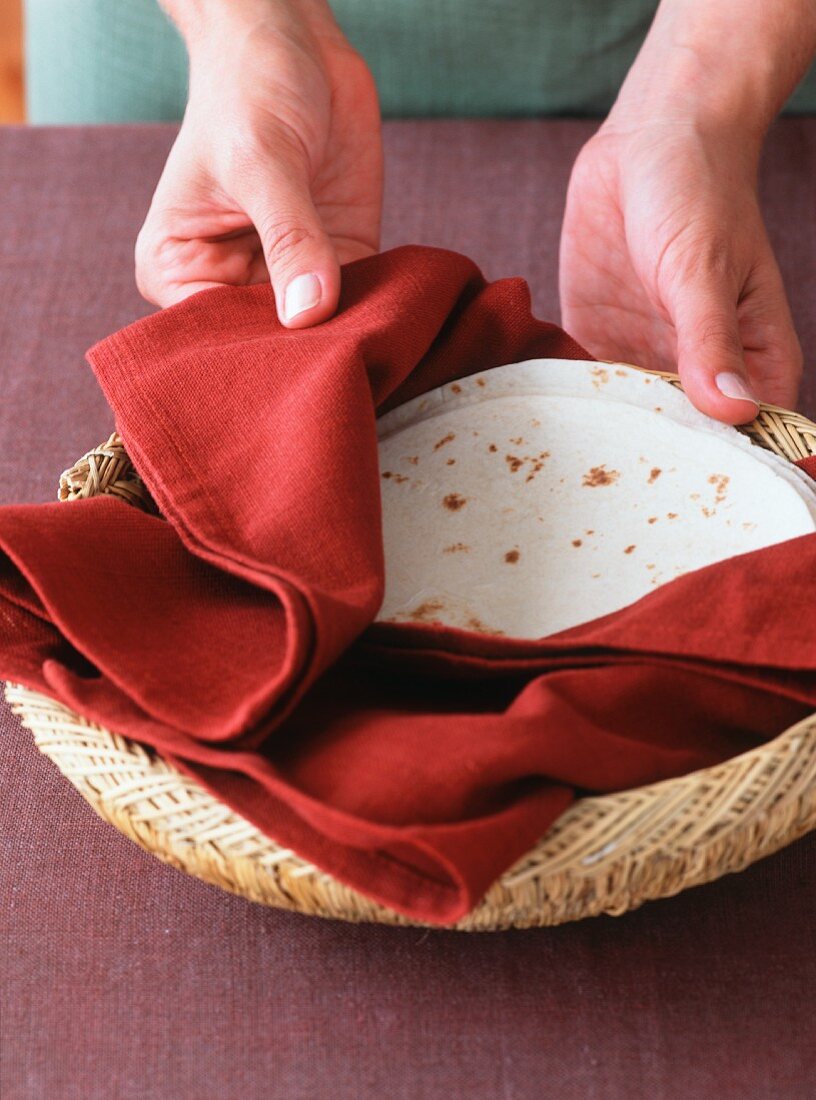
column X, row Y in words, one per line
column 123, row 978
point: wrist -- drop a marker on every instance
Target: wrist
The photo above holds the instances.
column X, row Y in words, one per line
column 198, row 20
column 235, row 46
column 204, row 24
column 724, row 70
column 674, row 88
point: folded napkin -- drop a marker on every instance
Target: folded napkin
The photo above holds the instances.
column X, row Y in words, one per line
column 235, row 635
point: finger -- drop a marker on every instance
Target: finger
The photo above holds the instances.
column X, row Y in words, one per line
column 301, row 260
column 170, row 268
column 710, row 358
column 177, row 292
column 150, row 280
column 773, row 353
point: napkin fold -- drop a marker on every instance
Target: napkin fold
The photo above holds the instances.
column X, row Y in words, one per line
column 235, row 634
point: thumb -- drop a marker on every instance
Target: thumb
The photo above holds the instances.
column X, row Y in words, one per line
column 302, row 264
column 710, row 357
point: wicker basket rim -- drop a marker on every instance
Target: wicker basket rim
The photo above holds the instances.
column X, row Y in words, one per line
column 576, row 870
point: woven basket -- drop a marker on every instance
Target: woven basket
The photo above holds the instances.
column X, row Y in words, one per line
column 606, row 854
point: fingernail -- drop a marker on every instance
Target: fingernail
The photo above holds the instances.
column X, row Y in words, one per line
column 731, row 385
column 304, row 292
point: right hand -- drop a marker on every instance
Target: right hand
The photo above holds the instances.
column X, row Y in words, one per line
column 665, row 262
column 276, row 173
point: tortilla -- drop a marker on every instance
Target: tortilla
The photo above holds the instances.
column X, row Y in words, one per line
column 533, row 497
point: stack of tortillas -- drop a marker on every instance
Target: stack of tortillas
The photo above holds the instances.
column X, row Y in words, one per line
column 533, row 497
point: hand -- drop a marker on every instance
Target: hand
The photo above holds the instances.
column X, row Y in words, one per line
column 276, row 174
column 665, row 263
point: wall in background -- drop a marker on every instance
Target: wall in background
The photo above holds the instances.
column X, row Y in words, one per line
column 12, row 107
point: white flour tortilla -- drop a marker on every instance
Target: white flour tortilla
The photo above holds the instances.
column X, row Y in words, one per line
column 532, row 497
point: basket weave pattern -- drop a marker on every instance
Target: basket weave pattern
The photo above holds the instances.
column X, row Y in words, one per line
column 606, row 854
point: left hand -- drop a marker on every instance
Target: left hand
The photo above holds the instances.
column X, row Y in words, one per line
column 665, row 263
column 276, row 173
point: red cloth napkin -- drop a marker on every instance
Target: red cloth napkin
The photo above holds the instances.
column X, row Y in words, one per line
column 413, row 761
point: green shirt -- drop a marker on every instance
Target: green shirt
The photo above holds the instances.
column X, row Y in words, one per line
column 98, row 61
